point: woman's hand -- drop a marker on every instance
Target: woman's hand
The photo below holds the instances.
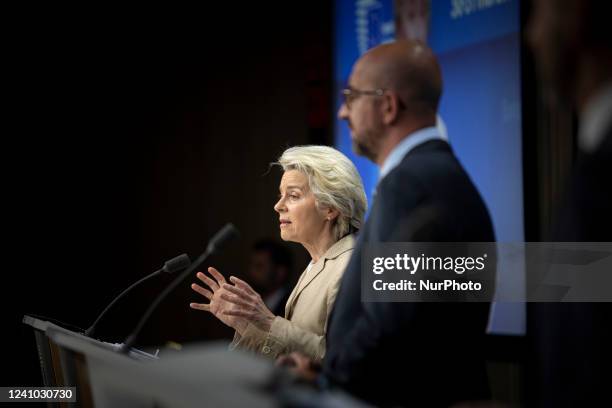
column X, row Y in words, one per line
column 247, row 304
column 217, row 305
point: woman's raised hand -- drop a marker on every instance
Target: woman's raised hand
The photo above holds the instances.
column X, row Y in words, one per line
column 247, row 304
column 218, row 305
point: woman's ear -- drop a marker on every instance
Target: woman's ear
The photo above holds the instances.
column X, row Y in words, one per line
column 331, row 214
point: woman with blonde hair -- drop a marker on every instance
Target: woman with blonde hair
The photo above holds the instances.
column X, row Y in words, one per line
column 321, row 205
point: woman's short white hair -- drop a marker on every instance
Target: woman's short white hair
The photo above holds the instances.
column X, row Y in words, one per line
column 334, row 181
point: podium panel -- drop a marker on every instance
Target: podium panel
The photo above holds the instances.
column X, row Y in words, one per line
column 197, row 376
column 205, row 375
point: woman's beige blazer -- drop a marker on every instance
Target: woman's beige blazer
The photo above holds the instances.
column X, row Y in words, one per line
column 305, row 323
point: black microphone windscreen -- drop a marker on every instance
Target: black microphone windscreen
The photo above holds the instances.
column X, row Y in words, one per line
column 225, row 234
column 177, row 263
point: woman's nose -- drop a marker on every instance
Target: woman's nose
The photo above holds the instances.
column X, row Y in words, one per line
column 280, row 205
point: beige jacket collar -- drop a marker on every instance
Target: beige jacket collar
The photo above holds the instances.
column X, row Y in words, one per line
column 345, row 244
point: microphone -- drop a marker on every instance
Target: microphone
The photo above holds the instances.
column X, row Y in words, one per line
column 173, row 265
column 221, row 238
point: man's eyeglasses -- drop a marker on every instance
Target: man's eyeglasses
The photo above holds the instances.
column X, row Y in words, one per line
column 350, row 94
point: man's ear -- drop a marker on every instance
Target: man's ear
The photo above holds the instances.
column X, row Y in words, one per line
column 391, row 107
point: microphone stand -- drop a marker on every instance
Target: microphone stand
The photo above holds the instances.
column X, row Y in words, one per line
column 227, row 233
column 171, row 266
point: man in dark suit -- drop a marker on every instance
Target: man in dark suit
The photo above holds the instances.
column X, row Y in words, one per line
column 571, row 352
column 401, row 353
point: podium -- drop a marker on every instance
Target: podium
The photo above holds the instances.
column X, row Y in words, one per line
column 197, row 376
column 61, row 367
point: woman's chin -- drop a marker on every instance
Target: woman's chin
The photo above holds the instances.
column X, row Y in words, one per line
column 287, row 237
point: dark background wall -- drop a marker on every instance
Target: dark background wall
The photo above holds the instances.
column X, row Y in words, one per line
column 133, row 139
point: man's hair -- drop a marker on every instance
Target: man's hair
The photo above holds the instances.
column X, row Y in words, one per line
column 334, row 181
column 412, row 70
column 420, row 84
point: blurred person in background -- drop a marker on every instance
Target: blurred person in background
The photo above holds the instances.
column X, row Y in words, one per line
column 270, row 273
column 571, row 342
